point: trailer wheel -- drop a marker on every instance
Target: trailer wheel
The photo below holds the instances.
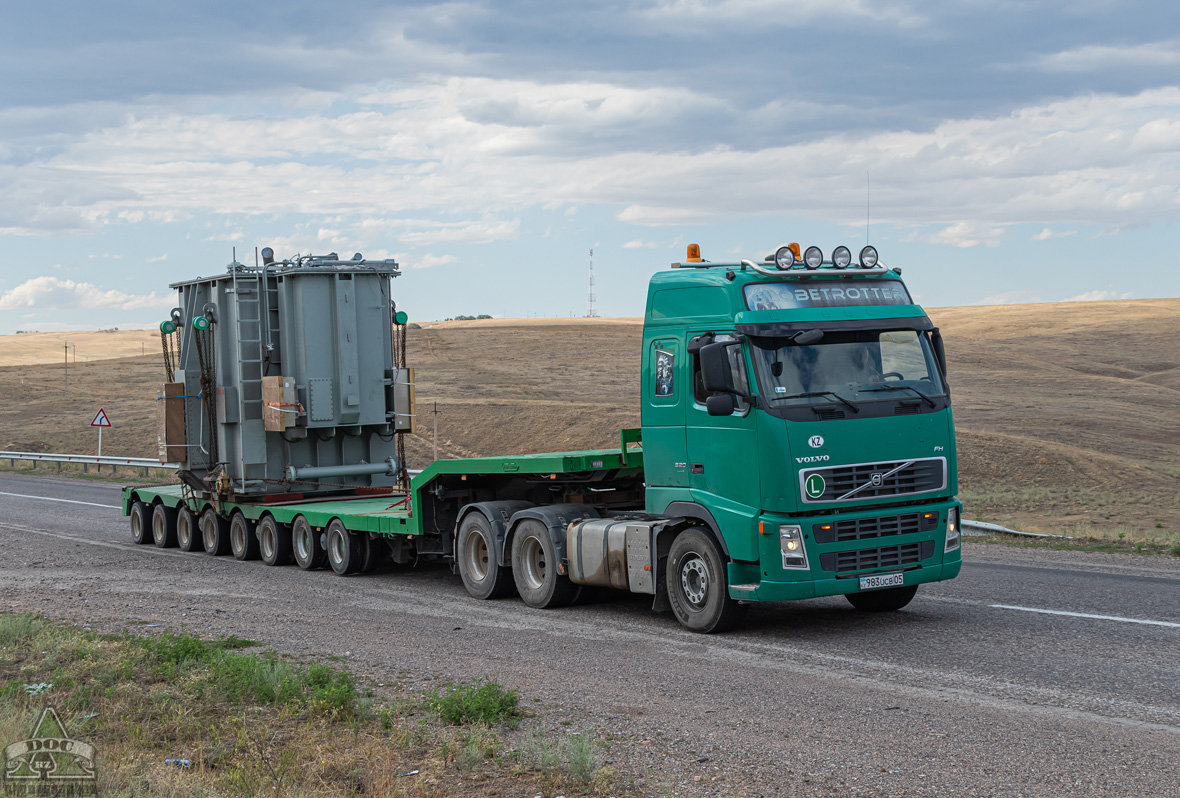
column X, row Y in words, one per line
column 188, row 537
column 477, row 559
column 305, row 545
column 274, row 542
column 164, row 526
column 697, row 588
column 214, row 533
column 344, row 548
column 373, row 551
column 140, row 523
column 534, row 568
column 888, row 600
column 242, row 540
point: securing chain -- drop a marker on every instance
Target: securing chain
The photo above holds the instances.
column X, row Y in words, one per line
column 170, row 343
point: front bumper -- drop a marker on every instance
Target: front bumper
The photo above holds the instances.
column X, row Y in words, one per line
column 835, row 567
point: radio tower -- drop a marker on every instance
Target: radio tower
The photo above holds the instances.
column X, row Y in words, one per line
column 591, row 313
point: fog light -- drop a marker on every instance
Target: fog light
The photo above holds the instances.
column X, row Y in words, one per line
column 868, row 257
column 784, row 258
column 813, row 257
column 841, row 257
column 791, row 543
column 953, row 536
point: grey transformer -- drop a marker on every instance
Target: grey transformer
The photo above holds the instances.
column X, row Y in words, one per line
column 294, row 366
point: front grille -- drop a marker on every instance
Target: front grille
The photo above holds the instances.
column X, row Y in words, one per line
column 861, row 528
column 869, row 480
column 829, row 415
column 883, row 557
column 907, row 410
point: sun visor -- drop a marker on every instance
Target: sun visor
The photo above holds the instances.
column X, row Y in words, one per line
column 785, row 329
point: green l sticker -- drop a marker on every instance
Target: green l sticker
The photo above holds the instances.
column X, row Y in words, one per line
column 815, row 486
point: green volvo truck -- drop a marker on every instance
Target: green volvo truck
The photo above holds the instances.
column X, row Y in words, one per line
column 796, row 442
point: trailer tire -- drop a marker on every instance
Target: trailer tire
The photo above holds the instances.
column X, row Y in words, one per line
column 188, row 536
column 141, row 523
column 534, row 568
column 888, row 600
column 242, row 540
column 372, row 552
column 475, row 552
column 344, row 548
column 274, row 542
column 305, row 545
column 697, row 587
column 164, row 526
column 214, row 533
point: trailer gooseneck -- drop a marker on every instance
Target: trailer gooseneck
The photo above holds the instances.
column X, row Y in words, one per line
column 796, row 442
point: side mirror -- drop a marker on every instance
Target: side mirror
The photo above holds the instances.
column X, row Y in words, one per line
column 715, row 371
column 721, row 404
column 939, row 351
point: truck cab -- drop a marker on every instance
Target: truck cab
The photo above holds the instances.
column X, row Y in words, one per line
column 798, row 409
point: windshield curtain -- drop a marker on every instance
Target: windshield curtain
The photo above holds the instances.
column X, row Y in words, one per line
column 860, row 365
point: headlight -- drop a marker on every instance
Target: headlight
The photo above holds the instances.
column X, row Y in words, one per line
column 841, row 257
column 953, row 536
column 813, row 257
column 790, row 540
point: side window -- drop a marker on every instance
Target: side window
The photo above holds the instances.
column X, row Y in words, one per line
column 665, row 373
column 737, row 365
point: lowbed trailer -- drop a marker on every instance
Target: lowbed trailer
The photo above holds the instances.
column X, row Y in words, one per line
column 797, row 442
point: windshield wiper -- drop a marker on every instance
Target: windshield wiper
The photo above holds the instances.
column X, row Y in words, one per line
column 855, row 409
column 900, row 388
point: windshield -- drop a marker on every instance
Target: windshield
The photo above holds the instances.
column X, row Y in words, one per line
column 853, row 366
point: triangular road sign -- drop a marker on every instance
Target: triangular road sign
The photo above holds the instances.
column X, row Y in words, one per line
column 101, row 419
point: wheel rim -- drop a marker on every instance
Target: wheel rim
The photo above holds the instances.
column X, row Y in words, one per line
column 267, row 541
column 303, row 544
column 533, row 556
column 136, row 526
column 157, row 527
column 477, row 556
column 237, row 537
column 337, row 546
column 209, row 534
column 184, row 530
column 694, row 580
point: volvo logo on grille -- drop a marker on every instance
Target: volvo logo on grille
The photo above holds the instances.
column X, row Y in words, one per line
column 815, row 441
column 877, row 479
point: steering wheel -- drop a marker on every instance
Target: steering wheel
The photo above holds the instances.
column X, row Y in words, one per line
column 894, row 374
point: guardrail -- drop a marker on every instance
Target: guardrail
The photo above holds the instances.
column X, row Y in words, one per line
column 983, row 526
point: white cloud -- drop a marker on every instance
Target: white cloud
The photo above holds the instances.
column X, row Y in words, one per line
column 1017, row 297
column 963, row 235
column 50, row 293
column 1049, row 233
column 157, row 259
column 784, row 13
column 1102, row 58
column 426, row 261
column 641, row 244
column 1099, row 295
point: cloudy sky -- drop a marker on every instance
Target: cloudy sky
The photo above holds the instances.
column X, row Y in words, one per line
column 1002, row 151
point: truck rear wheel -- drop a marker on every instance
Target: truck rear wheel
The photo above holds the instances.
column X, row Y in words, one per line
column 242, row 539
column 305, row 545
column 274, row 542
column 888, row 600
column 214, row 533
column 344, row 549
column 475, row 551
column 696, row 583
column 534, row 568
column 163, row 526
column 141, row 523
column 188, row 537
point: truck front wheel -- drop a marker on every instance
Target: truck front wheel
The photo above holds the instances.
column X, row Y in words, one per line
column 697, row 591
column 534, row 568
column 888, row 600
column 477, row 559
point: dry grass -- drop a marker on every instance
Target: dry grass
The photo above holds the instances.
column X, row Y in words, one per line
column 1068, row 415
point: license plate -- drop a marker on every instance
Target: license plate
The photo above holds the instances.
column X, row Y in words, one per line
column 881, row 580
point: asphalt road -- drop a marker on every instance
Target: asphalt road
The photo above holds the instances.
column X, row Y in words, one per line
column 1033, row 673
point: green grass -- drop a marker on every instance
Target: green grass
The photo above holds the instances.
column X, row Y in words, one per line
column 482, row 701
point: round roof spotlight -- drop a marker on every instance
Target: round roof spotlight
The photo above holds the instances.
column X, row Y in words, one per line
column 868, row 257
column 841, row 257
column 813, row 257
column 784, row 258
